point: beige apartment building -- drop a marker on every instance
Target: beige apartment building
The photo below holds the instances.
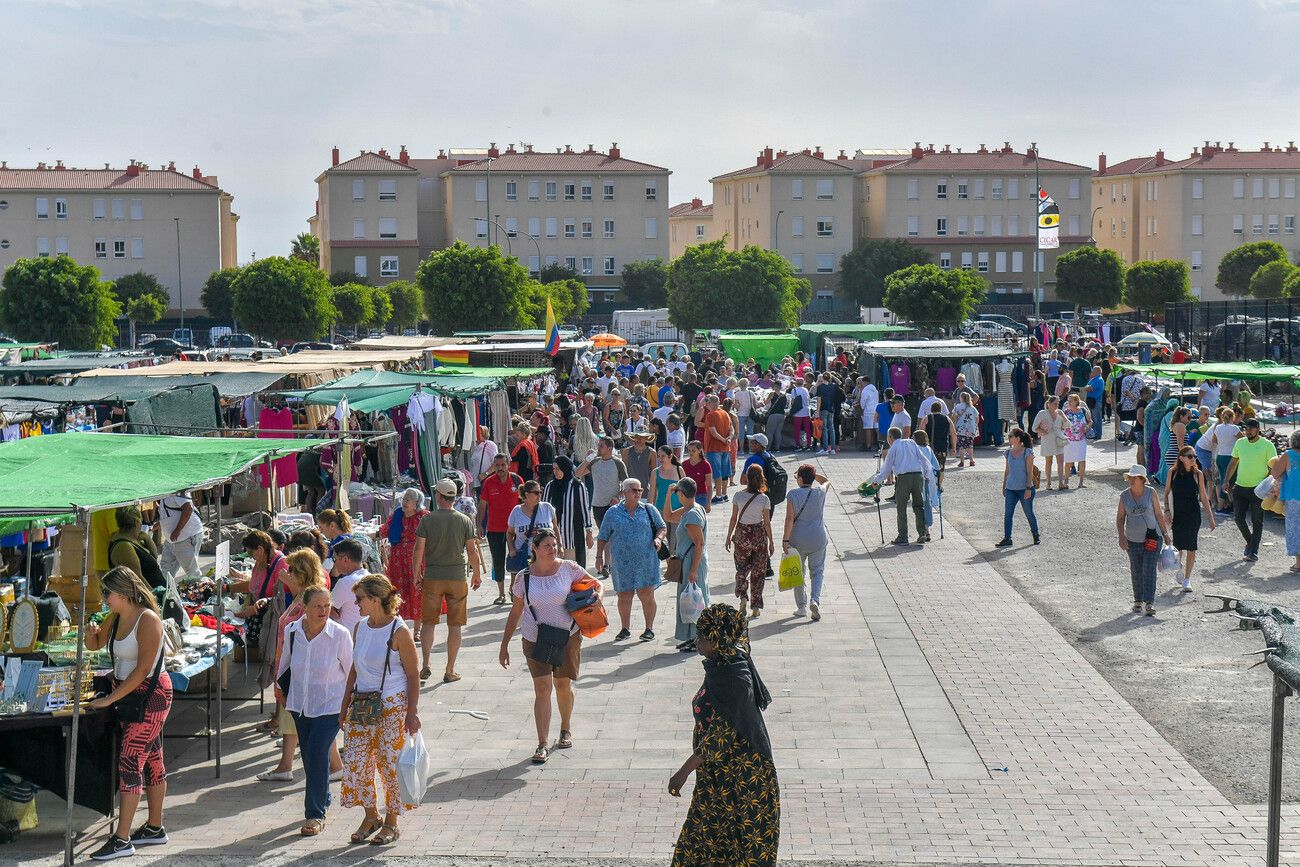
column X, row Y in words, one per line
column 589, row 210
column 978, row 211
column 177, row 226
column 1197, row 209
column 689, row 223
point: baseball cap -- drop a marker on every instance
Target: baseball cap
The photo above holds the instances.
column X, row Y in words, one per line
column 761, row 439
column 446, row 487
column 1250, row 422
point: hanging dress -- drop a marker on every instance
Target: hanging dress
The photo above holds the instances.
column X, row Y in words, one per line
column 277, row 424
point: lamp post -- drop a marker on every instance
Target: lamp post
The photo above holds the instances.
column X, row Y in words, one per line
column 487, row 198
column 529, row 237
column 1038, row 271
column 1092, row 223
column 776, row 232
column 180, row 290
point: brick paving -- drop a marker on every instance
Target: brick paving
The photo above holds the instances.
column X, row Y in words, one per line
column 932, row 717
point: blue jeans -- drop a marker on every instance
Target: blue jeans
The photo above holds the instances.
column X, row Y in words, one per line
column 315, row 734
column 828, row 429
column 1010, row 498
column 1096, row 419
column 1221, row 463
column 744, row 429
column 815, row 564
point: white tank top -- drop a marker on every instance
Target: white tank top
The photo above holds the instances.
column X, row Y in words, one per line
column 368, row 659
column 126, row 653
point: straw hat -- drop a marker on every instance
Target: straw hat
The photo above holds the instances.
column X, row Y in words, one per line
column 641, row 431
column 1137, row 470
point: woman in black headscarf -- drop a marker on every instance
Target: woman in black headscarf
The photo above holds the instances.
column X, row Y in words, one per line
column 735, row 813
column 572, row 510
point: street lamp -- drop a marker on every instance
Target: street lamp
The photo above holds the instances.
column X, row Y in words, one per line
column 776, row 232
column 180, row 291
column 487, row 194
column 529, row 237
column 1038, row 271
column 1092, row 223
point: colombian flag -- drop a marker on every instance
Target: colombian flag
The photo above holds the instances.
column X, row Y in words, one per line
column 552, row 331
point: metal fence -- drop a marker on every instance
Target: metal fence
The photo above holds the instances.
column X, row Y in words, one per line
column 1238, row 330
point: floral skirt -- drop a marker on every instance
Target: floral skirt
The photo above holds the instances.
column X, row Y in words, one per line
column 370, row 758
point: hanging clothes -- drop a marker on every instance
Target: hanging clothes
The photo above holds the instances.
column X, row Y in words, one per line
column 945, row 380
column 500, row 406
column 420, row 403
column 991, row 432
column 974, row 374
column 468, row 425
column 900, row 378
column 1006, row 396
column 387, row 448
column 277, row 424
column 399, row 419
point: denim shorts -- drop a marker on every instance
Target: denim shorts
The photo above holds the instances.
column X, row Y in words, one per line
column 720, row 463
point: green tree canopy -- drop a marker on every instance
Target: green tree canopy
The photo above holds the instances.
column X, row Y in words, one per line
column 305, row 246
column 555, row 271
column 55, row 299
column 1270, row 279
column 1240, row 264
column 352, row 301
column 712, row 287
column 1151, row 285
column 644, row 283
column 930, row 295
column 283, row 299
column 381, row 307
column 568, row 301
column 338, row 278
column 131, row 286
column 407, row 303
column 145, row 309
column 217, row 297
column 474, row 288
column 863, row 270
column 1090, row 277
column 1291, row 288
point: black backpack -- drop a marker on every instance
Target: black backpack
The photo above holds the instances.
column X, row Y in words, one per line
column 777, row 479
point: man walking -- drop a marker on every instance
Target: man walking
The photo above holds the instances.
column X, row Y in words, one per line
column 445, row 543
column 717, row 446
column 182, row 535
column 912, row 472
column 607, row 473
column 1249, row 466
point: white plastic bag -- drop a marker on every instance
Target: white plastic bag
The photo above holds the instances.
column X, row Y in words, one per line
column 1168, row 558
column 1264, row 489
column 690, row 602
column 413, row 769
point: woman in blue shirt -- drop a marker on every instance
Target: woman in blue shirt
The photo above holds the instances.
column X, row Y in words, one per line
column 631, row 534
column 1017, row 486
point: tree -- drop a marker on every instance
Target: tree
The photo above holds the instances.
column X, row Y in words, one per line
column 712, row 287
column 338, row 278
column 145, row 309
column 283, row 299
column 1153, row 284
column 644, row 283
column 474, row 288
column 217, row 297
column 306, row 247
column 930, row 295
column 55, row 299
column 555, row 271
column 1270, row 279
column 353, row 303
column 863, row 270
column 407, row 303
column 1090, row 277
column 132, row 286
column 568, row 301
column 1291, row 288
column 381, row 307
column 1240, row 264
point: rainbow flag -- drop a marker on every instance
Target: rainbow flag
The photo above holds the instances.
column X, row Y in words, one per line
column 552, row 331
column 451, row 356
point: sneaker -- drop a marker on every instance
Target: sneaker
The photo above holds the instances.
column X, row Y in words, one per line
column 1252, row 556
column 148, row 835
column 622, row 634
column 801, row 612
column 821, row 453
column 1005, row 543
column 648, row 635
column 266, row 777
column 336, row 776
column 815, row 610
column 901, row 540
column 116, row 847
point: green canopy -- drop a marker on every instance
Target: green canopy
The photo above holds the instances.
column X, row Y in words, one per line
column 376, row 390
column 1249, row 371
column 810, row 335
column 763, row 348
column 44, row 479
column 497, row 372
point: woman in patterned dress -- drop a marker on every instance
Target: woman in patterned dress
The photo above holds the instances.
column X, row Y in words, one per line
column 400, row 532
column 735, row 812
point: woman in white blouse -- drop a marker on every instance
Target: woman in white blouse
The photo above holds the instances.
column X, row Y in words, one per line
column 317, row 658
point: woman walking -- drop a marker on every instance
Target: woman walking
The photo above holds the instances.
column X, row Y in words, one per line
column 529, row 516
column 380, row 705
column 735, row 812
column 1173, row 436
column 1185, row 494
column 1049, row 426
column 400, row 532
column 697, row 468
column 1286, row 470
column 805, row 533
column 336, row 525
column 568, row 497
column 778, row 402
column 318, row 661
column 539, row 594
column 1141, row 524
column 1223, row 437
column 142, row 695
column 1018, row 486
column 966, row 420
column 631, row 535
column 750, row 530
column 663, row 478
column 1151, row 424
column 690, row 535
column 1076, row 421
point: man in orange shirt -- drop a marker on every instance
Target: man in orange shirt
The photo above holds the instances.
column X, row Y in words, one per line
column 717, row 446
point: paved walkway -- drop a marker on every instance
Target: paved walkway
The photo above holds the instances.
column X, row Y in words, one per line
column 932, row 716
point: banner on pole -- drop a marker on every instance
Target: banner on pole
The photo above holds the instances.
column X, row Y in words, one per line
column 1049, row 221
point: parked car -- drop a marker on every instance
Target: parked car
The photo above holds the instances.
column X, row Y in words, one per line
column 1000, row 319
column 666, row 348
column 310, row 344
column 235, row 341
column 164, row 346
column 985, row 330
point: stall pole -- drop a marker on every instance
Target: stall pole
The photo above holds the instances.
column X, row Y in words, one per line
column 1280, row 693
column 29, row 562
column 270, row 482
column 83, row 519
column 216, row 670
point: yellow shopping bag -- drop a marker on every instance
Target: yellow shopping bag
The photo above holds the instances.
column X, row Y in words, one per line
column 791, row 572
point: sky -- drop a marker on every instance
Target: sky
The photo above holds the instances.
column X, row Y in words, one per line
column 257, row 91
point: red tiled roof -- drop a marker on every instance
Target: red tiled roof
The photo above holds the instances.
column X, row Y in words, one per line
column 795, row 163
column 686, row 209
column 1216, row 159
column 993, row 161
column 369, row 161
column 1127, row 167
column 570, row 163
column 100, row 179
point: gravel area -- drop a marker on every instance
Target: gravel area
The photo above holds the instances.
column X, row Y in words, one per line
column 1182, row 669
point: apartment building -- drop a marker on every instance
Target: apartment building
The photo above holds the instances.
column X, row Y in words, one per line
column 978, row 211
column 1197, row 209
column 174, row 225
column 689, row 223
column 797, row 204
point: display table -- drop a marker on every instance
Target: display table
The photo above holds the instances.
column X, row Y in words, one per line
column 35, row 746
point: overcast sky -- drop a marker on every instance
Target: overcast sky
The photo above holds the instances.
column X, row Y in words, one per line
column 257, row 91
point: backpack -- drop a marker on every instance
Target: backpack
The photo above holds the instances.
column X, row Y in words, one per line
column 776, row 477
column 796, row 403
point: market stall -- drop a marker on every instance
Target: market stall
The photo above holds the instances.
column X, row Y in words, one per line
column 765, row 347
column 148, row 407
column 823, row 341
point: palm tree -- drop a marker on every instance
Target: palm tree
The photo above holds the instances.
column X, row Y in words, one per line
column 306, row 247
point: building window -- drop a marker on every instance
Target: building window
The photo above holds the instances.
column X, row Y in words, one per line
column 825, row 263
column 826, row 188
column 512, row 227
column 61, row 245
column 1123, row 228
column 941, row 190
column 137, row 209
column 387, row 266
column 1151, row 225
column 481, row 190
column 570, row 191
column 586, row 228
column 609, row 191
column 967, row 261
column 586, row 266
column 963, row 189
column 796, row 188
column 1074, row 188
column 1198, row 188
column 1013, row 224
column 388, row 227
column 550, row 191
column 913, row 225
column 387, row 193
column 1197, row 264
column 358, row 228
column 1017, row 262
column 825, row 227
column 533, row 265
column 534, row 190
column 609, row 266
column 609, row 228
column 534, row 227
column 651, row 227
column 570, row 229
column 699, row 231
column 42, row 209
column 1013, row 188
column 945, row 260
column 119, row 209
column 1153, row 190
column 512, row 191
column 796, row 262
column 60, row 209
column 1274, row 188
column 963, row 225
column 480, row 229
column 1000, row 262
column 1239, row 188
column 1257, row 188
column 359, row 266
column 1288, row 224
column 977, row 190
column 941, row 226
column 651, row 190
column 551, row 227
column 1238, row 222
column 1074, row 224
column 101, row 248
column 995, row 227
column 726, row 195
column 979, row 224
column 913, row 189
column 982, row 263
column 796, row 227
column 137, row 248
column 1272, row 224
column 359, row 192
column 119, row 248
column 101, row 209
column 1288, row 188
column 571, row 262
column 43, row 246
column 995, row 186
column 1198, row 224
column 1257, row 224
column 586, row 191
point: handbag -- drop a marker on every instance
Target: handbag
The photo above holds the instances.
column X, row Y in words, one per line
column 551, row 640
column 367, row 707
column 286, row 677
column 130, row 708
column 518, row 559
column 673, row 569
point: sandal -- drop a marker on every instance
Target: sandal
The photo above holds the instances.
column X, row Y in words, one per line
column 312, row 827
column 368, row 827
column 565, row 741
column 268, row 727
column 387, row 836
column 500, row 600
column 541, row 754
column 1137, row 607
column 1151, row 610
column 450, row 677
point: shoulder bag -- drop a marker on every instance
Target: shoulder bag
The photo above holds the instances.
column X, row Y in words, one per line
column 551, row 640
column 286, row 677
column 518, row 558
column 673, row 568
column 130, row 708
column 367, row 707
